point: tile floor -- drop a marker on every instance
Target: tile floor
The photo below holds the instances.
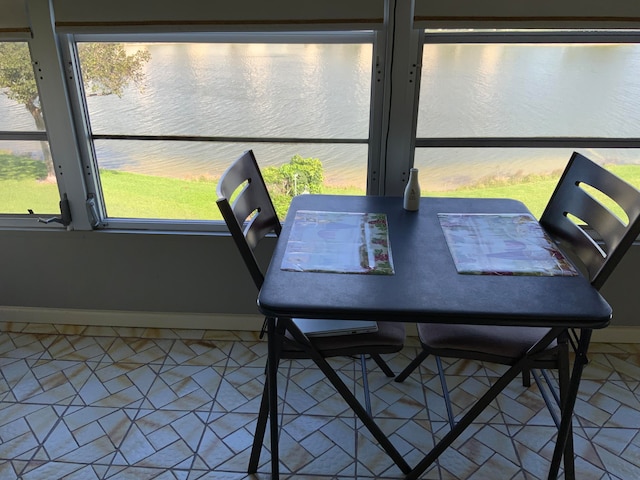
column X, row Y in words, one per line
column 126, row 403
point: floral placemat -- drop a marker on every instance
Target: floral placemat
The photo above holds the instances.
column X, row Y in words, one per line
column 339, row 242
column 502, row 244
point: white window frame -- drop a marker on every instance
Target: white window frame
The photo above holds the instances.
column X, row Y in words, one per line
column 50, row 80
column 528, row 36
column 83, row 130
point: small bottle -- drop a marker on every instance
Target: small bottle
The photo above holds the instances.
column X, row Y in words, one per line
column 412, row 192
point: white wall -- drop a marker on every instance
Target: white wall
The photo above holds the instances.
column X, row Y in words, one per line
column 202, row 274
column 178, row 275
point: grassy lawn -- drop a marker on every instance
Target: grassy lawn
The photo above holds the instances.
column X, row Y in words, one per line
column 145, row 196
column 534, row 192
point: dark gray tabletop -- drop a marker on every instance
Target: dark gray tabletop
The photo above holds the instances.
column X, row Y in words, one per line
column 426, row 286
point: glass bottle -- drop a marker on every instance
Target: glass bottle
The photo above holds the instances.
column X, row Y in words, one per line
column 412, row 192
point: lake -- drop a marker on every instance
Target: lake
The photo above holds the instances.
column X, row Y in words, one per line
column 322, row 91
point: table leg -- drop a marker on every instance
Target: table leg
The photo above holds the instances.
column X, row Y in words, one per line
column 348, row 396
column 480, row 405
column 272, row 381
column 567, row 410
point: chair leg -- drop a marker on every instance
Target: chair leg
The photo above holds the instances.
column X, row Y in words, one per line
column 546, row 388
column 365, row 384
column 383, row 365
column 412, row 366
column 261, row 428
column 269, row 403
column 445, row 392
column 564, row 379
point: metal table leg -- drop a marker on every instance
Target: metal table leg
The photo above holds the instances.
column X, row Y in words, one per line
column 348, row 396
column 567, row 410
column 272, row 381
column 481, row 404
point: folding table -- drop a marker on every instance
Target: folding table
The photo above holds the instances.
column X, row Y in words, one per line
column 425, row 286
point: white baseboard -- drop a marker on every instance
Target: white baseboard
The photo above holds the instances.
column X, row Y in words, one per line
column 117, row 318
column 615, row 334
column 606, row 335
column 251, row 323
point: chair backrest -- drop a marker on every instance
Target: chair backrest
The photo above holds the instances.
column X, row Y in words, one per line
column 574, row 206
column 250, row 215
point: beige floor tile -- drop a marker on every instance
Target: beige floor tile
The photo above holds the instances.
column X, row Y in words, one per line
column 88, row 402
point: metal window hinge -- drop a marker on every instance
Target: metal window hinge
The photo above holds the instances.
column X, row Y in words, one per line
column 92, row 210
column 65, row 213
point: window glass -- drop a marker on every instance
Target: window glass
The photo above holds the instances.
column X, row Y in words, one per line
column 528, row 175
column 515, row 90
column 184, row 111
column 524, row 91
column 27, row 181
column 176, row 180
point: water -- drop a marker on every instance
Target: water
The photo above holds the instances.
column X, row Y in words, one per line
column 241, row 90
column 527, row 91
column 323, row 91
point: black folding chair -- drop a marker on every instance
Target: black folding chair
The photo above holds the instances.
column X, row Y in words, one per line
column 248, row 210
column 586, row 225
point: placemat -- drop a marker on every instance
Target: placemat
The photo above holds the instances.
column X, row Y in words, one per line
column 502, row 244
column 339, row 242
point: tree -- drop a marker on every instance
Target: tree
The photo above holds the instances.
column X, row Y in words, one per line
column 106, row 69
column 300, row 175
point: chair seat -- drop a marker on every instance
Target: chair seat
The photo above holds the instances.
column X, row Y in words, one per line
column 388, row 339
column 501, row 344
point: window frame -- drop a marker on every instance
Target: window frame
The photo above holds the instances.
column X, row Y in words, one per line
column 35, row 220
column 50, row 79
column 395, row 88
column 83, row 128
column 504, row 36
column 524, row 36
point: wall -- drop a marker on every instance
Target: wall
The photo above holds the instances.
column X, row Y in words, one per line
column 177, row 274
column 202, row 274
column 139, row 272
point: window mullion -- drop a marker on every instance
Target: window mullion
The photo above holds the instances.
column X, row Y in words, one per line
column 49, row 71
column 402, row 90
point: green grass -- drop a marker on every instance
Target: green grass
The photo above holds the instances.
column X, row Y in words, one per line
column 534, row 191
column 22, row 186
column 131, row 195
column 143, row 196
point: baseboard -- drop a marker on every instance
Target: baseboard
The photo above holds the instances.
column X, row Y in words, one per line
column 606, row 335
column 615, row 334
column 251, row 323
column 117, row 318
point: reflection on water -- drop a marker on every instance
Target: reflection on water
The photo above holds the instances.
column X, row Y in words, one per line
column 323, row 91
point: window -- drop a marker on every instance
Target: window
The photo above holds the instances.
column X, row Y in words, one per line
column 501, row 112
column 167, row 124
column 147, row 106
column 27, row 181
